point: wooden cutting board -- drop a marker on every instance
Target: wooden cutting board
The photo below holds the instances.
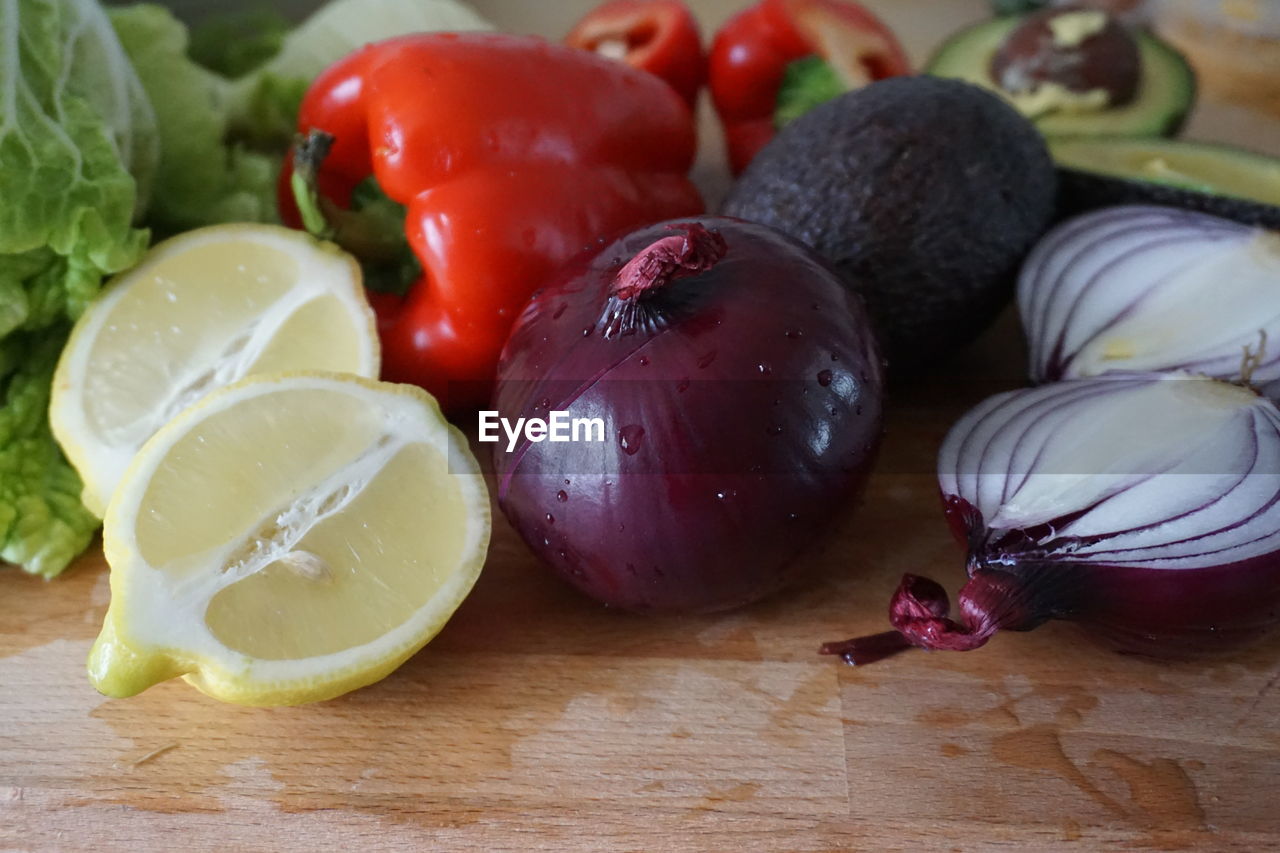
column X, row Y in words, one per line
column 539, row 721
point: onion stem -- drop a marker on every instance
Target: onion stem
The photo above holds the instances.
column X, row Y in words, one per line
column 694, row 250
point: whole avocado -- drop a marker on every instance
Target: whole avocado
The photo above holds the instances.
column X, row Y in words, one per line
column 925, row 194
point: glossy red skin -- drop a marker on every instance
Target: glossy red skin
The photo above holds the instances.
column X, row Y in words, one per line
column 662, row 38
column 649, row 530
column 505, row 177
column 1199, row 612
column 749, row 59
column 1159, row 612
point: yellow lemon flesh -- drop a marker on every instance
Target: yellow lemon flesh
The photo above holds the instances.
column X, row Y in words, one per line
column 288, row 539
column 201, row 311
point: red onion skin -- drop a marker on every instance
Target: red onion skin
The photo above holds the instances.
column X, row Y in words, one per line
column 729, row 470
column 1160, row 612
column 1197, row 613
column 1166, row 613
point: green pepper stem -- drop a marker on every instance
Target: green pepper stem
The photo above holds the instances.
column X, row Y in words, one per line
column 308, row 201
column 373, row 233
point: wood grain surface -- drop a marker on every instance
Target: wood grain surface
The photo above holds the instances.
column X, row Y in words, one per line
column 539, row 721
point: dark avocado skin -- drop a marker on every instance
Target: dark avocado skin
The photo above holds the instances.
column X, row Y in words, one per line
column 1080, row 192
column 924, row 193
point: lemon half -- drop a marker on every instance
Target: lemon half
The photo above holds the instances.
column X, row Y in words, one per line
column 201, row 311
column 288, row 539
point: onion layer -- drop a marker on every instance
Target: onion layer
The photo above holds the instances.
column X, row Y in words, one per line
column 1154, row 288
column 1147, row 505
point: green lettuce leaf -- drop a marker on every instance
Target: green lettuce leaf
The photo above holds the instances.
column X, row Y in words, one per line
column 265, row 103
column 264, row 114
column 222, row 141
column 79, row 148
column 341, row 26
column 204, row 176
column 236, row 43
column 43, row 525
column 77, row 142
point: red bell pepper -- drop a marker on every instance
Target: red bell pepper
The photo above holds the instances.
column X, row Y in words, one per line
column 780, row 57
column 510, row 155
column 658, row 36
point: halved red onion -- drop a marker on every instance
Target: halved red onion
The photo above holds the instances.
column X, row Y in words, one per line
column 1153, row 288
column 1145, row 504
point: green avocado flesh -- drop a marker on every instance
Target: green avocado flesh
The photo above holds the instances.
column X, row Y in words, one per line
column 1164, row 97
column 1200, row 167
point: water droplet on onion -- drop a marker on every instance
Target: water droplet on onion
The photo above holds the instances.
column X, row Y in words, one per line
column 630, row 437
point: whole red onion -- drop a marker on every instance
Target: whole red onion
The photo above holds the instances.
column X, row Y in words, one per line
column 740, row 388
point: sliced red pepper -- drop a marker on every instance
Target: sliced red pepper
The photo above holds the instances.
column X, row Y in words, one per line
column 511, row 155
column 658, row 36
column 771, row 44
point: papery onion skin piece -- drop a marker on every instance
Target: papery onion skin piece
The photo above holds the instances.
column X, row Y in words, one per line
column 741, row 395
column 1029, row 479
column 1153, row 288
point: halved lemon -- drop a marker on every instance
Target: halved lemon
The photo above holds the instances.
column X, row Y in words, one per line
column 288, row 539
column 201, row 311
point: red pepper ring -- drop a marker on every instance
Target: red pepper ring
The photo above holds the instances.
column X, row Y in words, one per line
column 510, row 155
column 751, row 55
column 658, row 36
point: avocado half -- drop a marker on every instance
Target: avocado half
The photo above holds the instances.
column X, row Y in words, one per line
column 1216, row 179
column 1165, row 96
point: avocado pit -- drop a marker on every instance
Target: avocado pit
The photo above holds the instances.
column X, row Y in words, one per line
column 1070, row 60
